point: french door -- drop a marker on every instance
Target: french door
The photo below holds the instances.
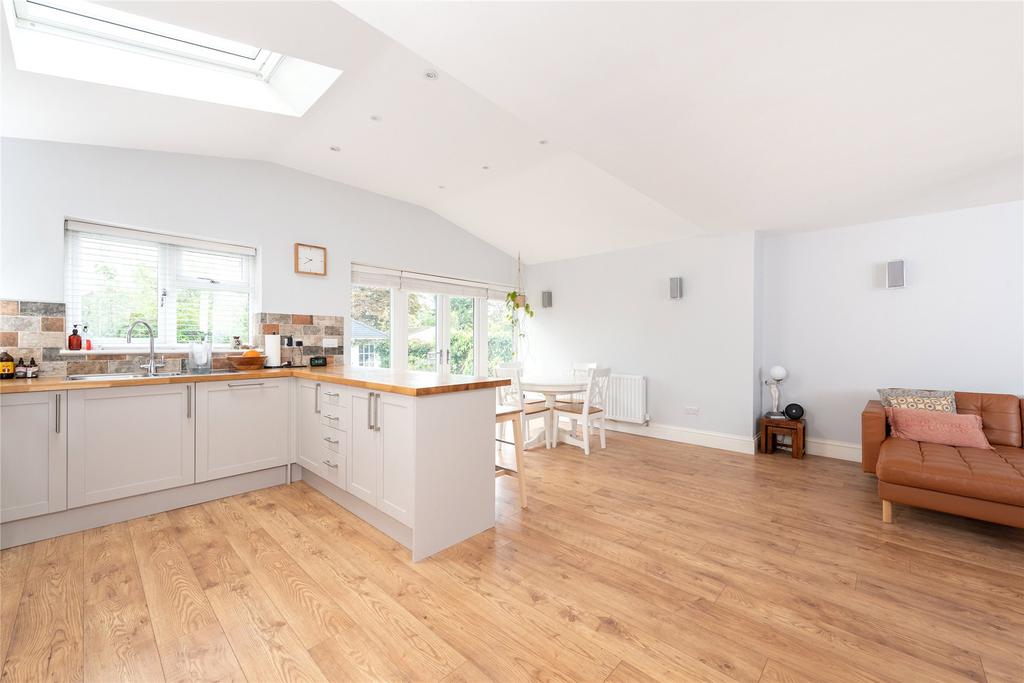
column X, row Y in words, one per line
column 443, row 333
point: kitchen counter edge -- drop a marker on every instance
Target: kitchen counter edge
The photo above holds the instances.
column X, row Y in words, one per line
column 406, row 383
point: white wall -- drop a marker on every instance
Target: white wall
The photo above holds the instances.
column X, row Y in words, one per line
column 959, row 324
column 253, row 203
column 696, row 352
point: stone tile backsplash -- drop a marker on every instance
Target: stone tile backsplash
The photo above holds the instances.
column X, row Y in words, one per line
column 310, row 330
column 36, row 329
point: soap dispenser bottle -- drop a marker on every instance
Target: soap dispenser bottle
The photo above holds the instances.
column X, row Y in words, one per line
column 74, row 339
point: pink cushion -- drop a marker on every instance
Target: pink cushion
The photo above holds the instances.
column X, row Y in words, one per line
column 947, row 429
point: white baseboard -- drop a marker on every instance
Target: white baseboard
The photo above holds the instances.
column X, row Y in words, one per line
column 841, row 450
column 698, row 437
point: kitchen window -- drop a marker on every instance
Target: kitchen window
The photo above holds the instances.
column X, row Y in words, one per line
column 414, row 321
column 185, row 288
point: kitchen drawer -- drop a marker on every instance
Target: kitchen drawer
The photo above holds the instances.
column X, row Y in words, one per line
column 333, row 395
column 334, row 469
column 335, row 415
column 334, row 440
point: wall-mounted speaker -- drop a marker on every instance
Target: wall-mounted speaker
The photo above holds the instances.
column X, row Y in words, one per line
column 545, row 299
column 675, row 287
column 895, row 274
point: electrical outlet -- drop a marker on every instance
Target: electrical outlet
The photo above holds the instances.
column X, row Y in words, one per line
column 691, row 410
column 330, row 343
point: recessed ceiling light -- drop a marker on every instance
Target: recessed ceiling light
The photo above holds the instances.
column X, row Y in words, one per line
column 440, row 187
column 486, row 168
column 335, row 148
column 430, row 75
column 542, row 142
column 376, row 117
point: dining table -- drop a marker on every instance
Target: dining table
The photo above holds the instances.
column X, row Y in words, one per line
column 551, row 387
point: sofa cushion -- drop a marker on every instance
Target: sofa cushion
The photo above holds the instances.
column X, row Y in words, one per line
column 951, row 429
column 1000, row 415
column 996, row 475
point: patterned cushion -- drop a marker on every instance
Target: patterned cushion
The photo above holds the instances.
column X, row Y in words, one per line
column 918, row 399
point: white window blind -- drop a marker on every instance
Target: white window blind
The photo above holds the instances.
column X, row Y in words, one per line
column 410, row 281
column 184, row 288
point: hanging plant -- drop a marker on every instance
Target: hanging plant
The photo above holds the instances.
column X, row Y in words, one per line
column 515, row 302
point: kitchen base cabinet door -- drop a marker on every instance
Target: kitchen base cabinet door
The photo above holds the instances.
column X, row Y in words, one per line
column 33, row 454
column 242, row 426
column 364, row 456
column 125, row 441
column 397, row 431
column 309, row 452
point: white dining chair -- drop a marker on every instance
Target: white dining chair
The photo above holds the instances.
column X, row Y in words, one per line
column 530, row 397
column 591, row 413
column 513, row 397
column 577, row 371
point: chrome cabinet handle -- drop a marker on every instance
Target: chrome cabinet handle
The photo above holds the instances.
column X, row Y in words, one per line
column 335, row 394
column 330, row 440
column 188, row 401
column 57, row 424
column 331, row 417
column 369, row 411
column 376, row 412
column 242, row 386
column 332, row 465
column 316, row 400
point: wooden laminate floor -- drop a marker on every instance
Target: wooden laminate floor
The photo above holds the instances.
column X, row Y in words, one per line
column 647, row 561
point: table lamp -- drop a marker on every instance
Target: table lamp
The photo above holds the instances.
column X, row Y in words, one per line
column 776, row 375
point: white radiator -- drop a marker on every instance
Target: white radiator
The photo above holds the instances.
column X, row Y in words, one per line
column 627, row 398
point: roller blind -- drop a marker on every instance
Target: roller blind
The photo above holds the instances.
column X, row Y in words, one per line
column 410, row 281
column 186, row 289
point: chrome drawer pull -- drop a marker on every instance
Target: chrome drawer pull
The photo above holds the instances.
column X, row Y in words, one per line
column 330, row 440
column 331, row 417
column 330, row 464
column 332, row 393
column 242, row 386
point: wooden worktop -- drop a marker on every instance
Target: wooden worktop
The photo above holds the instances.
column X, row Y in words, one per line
column 407, row 382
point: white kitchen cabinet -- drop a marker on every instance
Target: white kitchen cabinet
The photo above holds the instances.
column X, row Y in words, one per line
column 242, row 426
column 125, row 441
column 364, row 456
column 397, row 434
column 321, row 447
column 33, row 454
column 383, row 448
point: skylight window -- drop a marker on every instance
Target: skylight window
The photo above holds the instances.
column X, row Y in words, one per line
column 89, row 42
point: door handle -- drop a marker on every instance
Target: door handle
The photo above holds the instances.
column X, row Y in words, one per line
column 369, row 411
column 376, row 413
column 316, row 400
column 56, row 426
column 188, row 401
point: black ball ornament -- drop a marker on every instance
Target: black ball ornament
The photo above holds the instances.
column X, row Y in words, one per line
column 794, row 411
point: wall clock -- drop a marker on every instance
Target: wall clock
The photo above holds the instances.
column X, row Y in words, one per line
column 310, row 259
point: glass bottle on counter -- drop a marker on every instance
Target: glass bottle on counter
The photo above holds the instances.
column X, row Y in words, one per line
column 74, row 339
column 33, row 369
column 6, row 366
column 20, row 370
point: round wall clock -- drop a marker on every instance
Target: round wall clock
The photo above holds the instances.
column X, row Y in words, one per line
column 310, row 259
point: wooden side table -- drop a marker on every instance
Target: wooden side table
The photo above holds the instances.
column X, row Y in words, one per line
column 794, row 429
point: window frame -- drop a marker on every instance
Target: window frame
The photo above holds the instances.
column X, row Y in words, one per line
column 170, row 281
column 399, row 333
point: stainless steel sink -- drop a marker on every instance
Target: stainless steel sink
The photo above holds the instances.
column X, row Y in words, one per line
column 122, row 375
column 140, row 375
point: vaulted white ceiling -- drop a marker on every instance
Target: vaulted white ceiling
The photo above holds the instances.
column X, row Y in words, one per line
column 661, row 119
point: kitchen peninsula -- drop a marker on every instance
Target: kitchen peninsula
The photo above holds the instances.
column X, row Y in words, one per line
column 408, row 452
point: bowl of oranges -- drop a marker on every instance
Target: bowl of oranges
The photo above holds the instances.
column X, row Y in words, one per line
column 249, row 360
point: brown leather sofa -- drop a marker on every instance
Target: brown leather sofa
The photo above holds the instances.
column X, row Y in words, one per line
column 970, row 482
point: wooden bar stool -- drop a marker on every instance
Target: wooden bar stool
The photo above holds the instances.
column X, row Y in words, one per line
column 515, row 416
